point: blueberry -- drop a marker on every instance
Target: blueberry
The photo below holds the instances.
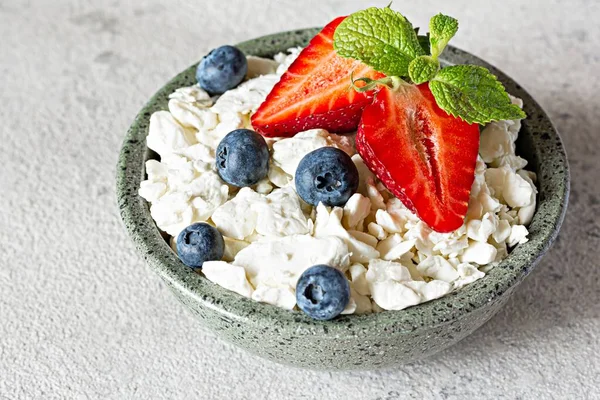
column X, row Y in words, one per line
column 222, row 69
column 198, row 243
column 326, row 175
column 242, row 158
column 322, row 292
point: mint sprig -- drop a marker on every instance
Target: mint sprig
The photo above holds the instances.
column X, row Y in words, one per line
column 473, row 94
column 379, row 37
column 387, row 42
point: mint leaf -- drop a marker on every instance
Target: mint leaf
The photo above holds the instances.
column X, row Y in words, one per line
column 379, row 37
column 473, row 94
column 441, row 29
column 423, row 69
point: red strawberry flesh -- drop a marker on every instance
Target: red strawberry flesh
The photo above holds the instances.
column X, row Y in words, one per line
column 423, row 155
column 315, row 92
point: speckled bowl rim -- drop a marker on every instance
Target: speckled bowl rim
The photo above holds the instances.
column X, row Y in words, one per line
column 553, row 186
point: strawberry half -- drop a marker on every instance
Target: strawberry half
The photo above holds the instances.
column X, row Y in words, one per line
column 315, row 92
column 423, row 155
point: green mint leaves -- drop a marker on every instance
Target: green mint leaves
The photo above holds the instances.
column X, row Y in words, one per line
column 473, row 94
column 469, row 92
column 387, row 42
column 442, row 28
column 423, row 69
column 379, row 37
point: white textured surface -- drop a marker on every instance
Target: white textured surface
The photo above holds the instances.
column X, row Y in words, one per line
column 82, row 317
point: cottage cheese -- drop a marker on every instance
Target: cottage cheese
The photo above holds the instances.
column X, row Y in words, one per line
column 329, row 224
column 279, row 262
column 237, row 218
column 229, row 276
column 288, row 152
column 281, row 214
column 392, row 259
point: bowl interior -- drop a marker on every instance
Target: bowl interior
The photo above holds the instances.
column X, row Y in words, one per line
column 538, row 142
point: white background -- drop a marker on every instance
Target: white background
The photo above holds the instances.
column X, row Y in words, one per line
column 81, row 316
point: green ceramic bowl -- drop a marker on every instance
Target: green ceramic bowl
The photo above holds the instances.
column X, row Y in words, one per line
column 354, row 341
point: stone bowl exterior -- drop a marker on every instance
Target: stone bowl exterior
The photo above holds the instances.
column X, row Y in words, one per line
column 354, row 341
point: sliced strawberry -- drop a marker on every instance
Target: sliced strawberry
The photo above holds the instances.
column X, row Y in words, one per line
column 423, row 155
column 315, row 92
